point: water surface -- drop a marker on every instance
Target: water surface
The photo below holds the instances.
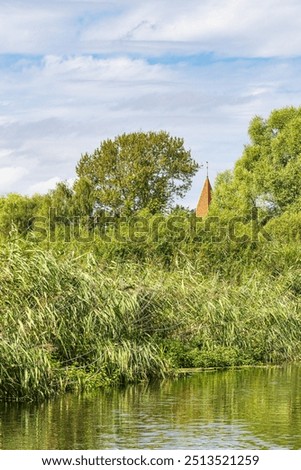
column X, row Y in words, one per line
column 256, row 408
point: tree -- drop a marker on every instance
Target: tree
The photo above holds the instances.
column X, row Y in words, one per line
column 16, row 212
column 268, row 175
column 271, row 163
column 62, row 199
column 136, row 171
column 59, row 199
column 83, row 197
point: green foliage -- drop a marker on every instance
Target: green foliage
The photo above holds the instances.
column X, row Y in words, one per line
column 135, row 296
column 60, row 200
column 16, row 213
column 218, row 356
column 268, row 175
column 84, row 198
column 136, row 171
column 70, row 323
column 63, row 327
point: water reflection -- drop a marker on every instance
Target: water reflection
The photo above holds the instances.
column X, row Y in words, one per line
column 249, row 408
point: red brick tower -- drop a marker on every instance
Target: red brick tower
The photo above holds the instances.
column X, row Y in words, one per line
column 205, row 199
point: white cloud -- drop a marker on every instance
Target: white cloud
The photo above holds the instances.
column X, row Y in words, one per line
column 10, row 176
column 40, row 27
column 88, row 68
column 225, row 27
column 6, row 153
column 26, row 29
column 43, row 186
column 67, row 105
column 61, row 101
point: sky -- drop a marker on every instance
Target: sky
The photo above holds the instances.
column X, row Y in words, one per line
column 76, row 72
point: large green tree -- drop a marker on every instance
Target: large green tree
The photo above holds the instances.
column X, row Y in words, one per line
column 136, row 171
column 268, row 174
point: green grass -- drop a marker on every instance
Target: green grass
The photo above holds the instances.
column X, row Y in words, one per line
column 57, row 318
column 74, row 323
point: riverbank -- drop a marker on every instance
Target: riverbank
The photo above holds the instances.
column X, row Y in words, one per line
column 71, row 322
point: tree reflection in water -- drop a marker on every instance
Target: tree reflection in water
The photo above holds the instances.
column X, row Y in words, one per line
column 257, row 408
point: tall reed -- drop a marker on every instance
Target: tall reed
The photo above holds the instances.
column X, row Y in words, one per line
column 69, row 322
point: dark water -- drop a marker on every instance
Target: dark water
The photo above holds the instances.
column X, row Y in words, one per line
column 252, row 408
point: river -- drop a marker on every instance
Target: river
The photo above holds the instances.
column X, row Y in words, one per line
column 252, row 408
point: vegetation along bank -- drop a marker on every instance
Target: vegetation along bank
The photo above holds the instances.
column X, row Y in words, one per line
column 109, row 282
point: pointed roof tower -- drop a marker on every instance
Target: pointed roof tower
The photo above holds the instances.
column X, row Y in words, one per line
column 205, row 198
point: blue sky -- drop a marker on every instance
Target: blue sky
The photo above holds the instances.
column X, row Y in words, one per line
column 74, row 72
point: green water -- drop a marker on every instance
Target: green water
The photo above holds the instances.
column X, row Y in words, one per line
column 256, row 408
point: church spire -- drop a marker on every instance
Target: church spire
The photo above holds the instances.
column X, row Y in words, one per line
column 205, row 198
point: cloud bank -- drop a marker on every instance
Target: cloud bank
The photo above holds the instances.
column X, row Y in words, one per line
column 76, row 72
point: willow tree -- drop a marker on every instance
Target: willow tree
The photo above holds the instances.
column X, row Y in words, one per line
column 140, row 170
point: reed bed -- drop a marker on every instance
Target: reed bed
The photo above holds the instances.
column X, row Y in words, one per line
column 70, row 323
